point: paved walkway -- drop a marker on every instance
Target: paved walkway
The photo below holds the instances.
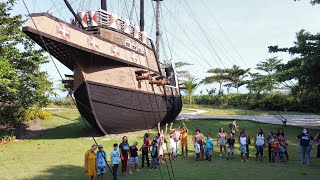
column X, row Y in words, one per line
column 310, row 121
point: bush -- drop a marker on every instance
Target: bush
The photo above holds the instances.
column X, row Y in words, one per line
column 7, row 138
column 269, row 101
column 15, row 116
column 33, row 114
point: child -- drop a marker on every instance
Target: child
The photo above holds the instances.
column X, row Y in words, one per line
column 230, row 143
column 101, row 157
column 172, row 147
column 276, row 150
column 197, row 147
column 154, row 155
column 209, row 146
column 133, row 153
column 115, row 157
column 243, row 141
column 270, row 140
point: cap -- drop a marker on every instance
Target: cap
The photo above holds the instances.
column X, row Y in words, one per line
column 100, row 146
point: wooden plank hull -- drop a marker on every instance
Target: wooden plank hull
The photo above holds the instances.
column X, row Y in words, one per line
column 116, row 110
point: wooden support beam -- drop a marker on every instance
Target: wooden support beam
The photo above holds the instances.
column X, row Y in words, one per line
column 67, row 81
column 143, row 77
column 141, row 71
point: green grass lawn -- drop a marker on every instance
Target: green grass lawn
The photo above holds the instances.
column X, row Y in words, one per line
column 214, row 111
column 59, row 154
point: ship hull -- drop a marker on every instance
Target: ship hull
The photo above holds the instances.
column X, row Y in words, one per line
column 113, row 109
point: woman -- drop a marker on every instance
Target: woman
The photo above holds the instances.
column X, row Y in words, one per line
column 198, row 138
column 305, row 145
column 90, row 162
column 163, row 139
column 124, row 151
column 259, row 141
column 222, row 141
column 283, row 144
column 145, row 150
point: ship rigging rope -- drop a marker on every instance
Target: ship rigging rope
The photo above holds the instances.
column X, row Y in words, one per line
column 225, row 34
column 74, row 101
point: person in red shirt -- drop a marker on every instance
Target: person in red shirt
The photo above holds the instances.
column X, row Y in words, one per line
column 145, row 150
column 276, row 150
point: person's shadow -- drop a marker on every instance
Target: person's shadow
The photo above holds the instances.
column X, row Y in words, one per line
column 64, row 172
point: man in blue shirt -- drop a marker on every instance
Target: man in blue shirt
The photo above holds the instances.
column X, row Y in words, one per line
column 101, row 157
column 209, row 146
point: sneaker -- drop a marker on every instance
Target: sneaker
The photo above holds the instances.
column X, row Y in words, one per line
column 142, row 169
column 301, row 162
column 227, row 158
column 247, row 160
column 130, row 172
column 241, row 160
column 220, row 155
column 137, row 169
column 155, row 168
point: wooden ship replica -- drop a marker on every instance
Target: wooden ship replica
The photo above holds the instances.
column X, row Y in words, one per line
column 117, row 80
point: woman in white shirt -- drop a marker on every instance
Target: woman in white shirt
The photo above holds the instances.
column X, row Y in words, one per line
column 260, row 142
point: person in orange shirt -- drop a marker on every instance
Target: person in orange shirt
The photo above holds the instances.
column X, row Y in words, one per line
column 184, row 139
column 276, row 150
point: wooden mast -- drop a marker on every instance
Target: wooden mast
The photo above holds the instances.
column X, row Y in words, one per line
column 142, row 15
column 104, row 5
column 73, row 13
column 158, row 34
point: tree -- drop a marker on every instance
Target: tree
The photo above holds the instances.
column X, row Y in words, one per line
column 269, row 65
column 182, row 74
column 219, row 76
column 304, row 68
column 313, row 2
column 236, row 76
column 22, row 84
column 191, row 86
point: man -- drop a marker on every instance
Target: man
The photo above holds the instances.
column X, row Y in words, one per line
column 184, row 139
column 233, row 127
column 176, row 137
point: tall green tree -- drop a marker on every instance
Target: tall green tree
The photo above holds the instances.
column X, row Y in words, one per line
column 304, row 68
column 236, row 76
column 219, row 76
column 22, row 84
column 191, row 85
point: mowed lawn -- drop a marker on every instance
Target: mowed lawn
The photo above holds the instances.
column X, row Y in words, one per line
column 213, row 111
column 59, row 154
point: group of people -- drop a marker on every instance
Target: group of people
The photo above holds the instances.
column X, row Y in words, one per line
column 160, row 146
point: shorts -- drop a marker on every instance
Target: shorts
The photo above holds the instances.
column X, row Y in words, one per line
column 275, row 154
column 222, row 142
column 231, row 150
column 243, row 149
column 184, row 143
column 134, row 159
column 164, row 146
column 209, row 151
column 101, row 170
column 160, row 152
column 154, row 160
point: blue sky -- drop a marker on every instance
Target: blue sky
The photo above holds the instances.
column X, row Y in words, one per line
column 192, row 29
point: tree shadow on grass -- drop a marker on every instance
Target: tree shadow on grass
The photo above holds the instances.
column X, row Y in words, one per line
column 64, row 172
column 75, row 129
